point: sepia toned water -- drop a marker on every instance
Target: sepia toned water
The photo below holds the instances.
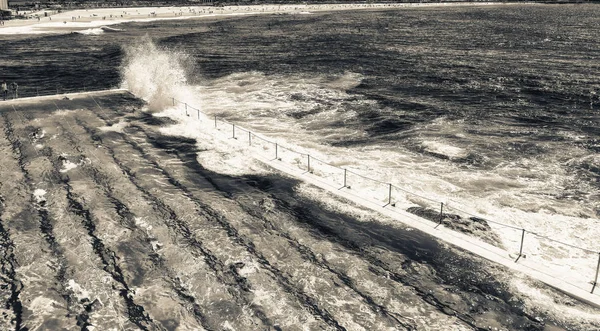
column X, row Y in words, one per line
column 493, row 110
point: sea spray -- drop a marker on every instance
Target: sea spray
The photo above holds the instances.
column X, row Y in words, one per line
column 156, row 74
column 91, row 31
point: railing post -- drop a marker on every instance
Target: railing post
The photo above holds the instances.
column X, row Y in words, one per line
column 390, row 194
column 173, row 102
column 276, row 156
column 215, row 121
column 198, row 113
column 233, row 126
column 308, row 162
column 186, row 113
column 249, row 138
column 345, row 178
column 521, row 248
column 441, row 215
column 596, row 278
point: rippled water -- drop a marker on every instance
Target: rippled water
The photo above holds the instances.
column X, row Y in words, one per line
column 492, row 109
column 501, row 85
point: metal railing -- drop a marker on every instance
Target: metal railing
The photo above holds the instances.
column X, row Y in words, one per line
column 389, row 195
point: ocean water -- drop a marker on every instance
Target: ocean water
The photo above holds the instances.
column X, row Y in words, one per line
column 493, row 111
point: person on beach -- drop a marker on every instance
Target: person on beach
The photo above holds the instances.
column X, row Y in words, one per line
column 4, row 90
column 14, row 87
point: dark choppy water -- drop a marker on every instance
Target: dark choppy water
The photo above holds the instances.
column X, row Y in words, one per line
column 492, row 108
column 525, row 72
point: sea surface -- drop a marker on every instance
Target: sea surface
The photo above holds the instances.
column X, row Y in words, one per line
column 494, row 111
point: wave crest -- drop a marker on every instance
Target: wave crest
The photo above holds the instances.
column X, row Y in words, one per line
column 92, row 31
column 155, row 74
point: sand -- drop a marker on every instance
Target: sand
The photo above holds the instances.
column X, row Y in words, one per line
column 77, row 20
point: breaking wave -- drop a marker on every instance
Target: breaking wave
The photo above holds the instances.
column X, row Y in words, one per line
column 156, row 74
column 92, row 32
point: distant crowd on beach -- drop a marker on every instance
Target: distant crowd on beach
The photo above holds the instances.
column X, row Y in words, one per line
column 11, row 90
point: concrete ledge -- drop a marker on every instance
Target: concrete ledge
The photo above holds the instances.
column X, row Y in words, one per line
column 458, row 239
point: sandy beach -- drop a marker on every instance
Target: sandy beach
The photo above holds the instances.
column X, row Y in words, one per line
column 77, row 20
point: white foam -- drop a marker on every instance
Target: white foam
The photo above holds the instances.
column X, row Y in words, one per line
column 248, row 267
column 227, row 326
column 561, row 308
column 117, row 127
column 218, row 154
column 441, row 148
column 39, row 195
column 64, row 112
column 110, row 29
column 41, row 305
column 154, row 74
column 92, row 31
column 78, row 291
column 67, row 165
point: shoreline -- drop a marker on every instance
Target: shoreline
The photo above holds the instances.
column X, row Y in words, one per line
column 82, row 19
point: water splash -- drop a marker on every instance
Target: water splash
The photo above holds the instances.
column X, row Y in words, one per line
column 92, row 32
column 156, row 74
